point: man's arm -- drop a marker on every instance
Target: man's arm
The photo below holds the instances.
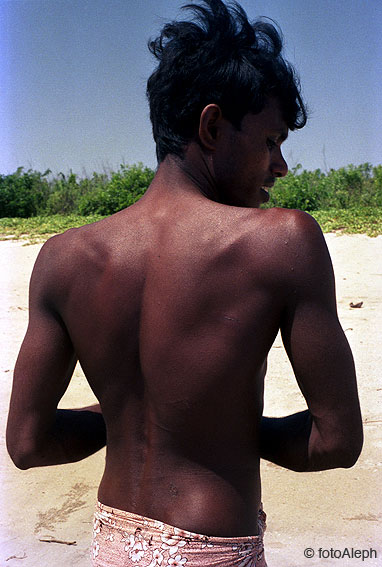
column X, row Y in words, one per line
column 329, row 433
column 285, row 440
column 37, row 433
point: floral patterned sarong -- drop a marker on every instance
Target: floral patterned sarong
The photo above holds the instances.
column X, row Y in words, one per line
column 122, row 539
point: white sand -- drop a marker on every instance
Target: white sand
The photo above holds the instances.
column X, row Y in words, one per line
column 336, row 509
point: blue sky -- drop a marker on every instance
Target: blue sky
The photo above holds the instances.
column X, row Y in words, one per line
column 73, row 76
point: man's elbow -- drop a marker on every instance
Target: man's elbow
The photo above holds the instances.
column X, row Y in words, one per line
column 352, row 445
column 351, row 454
column 20, row 459
column 23, row 454
column 337, row 452
column 22, row 462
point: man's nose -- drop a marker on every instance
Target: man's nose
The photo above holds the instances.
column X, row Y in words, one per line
column 279, row 166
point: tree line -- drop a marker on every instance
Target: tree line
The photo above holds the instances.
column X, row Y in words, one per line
column 32, row 193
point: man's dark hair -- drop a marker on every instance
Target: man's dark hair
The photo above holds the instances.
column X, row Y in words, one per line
column 222, row 58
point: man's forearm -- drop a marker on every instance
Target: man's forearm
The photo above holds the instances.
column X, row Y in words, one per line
column 79, row 432
column 285, row 440
column 74, row 435
column 297, row 443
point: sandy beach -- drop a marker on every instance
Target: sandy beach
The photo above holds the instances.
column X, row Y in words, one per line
column 326, row 513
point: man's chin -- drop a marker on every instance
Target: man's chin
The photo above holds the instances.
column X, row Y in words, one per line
column 264, row 195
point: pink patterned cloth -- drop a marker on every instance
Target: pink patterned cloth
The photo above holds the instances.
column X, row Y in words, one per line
column 127, row 540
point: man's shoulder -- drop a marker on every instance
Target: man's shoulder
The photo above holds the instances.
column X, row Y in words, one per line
column 61, row 247
column 284, row 245
column 296, row 221
column 296, row 227
column 78, row 240
column 65, row 252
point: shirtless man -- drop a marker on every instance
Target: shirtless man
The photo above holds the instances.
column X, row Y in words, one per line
column 172, row 306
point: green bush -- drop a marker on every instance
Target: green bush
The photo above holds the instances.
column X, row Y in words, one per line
column 64, row 195
column 298, row 190
column 125, row 187
column 347, row 187
column 23, row 194
column 27, row 194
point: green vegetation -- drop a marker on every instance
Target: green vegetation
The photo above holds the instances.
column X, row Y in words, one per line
column 348, row 199
column 35, row 229
column 36, row 205
column 362, row 220
column 344, row 188
column 31, row 193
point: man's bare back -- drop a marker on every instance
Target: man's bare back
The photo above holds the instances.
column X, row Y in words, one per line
column 171, row 306
column 168, row 326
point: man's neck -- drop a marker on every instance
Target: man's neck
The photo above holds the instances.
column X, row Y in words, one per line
column 193, row 174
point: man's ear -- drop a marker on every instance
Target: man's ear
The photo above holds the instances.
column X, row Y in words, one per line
column 209, row 125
